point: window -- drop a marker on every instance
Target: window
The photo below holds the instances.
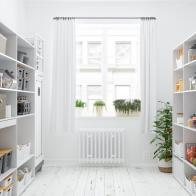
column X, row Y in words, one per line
column 108, row 63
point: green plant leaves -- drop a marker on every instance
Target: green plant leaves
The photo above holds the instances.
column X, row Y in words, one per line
column 163, row 130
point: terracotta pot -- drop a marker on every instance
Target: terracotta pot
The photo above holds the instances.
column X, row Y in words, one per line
column 165, row 166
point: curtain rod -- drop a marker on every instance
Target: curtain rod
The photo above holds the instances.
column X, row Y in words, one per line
column 63, row 18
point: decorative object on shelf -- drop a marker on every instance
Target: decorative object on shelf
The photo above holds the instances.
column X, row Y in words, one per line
column 192, row 53
column 79, row 107
column 99, row 106
column 7, row 79
column 191, row 153
column 8, row 111
column 22, row 57
column 23, row 151
column 190, row 122
column 3, row 43
column 23, row 79
column 2, row 106
column 127, row 107
column 180, row 118
column 192, row 82
column 24, row 105
column 163, row 138
column 179, row 85
column 179, row 57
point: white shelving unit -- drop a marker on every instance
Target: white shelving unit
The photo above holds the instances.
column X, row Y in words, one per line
column 18, row 129
column 184, row 103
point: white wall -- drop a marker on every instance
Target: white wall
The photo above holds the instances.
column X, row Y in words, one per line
column 175, row 23
column 12, row 14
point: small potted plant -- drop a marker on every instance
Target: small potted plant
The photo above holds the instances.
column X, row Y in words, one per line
column 99, row 106
column 163, row 138
column 79, row 107
column 119, row 105
column 135, row 107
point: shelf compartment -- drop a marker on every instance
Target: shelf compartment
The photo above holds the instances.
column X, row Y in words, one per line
column 22, row 162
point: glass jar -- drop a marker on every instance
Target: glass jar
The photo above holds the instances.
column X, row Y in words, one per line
column 179, row 118
column 192, row 53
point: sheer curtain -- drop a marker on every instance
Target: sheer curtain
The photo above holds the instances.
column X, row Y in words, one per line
column 63, row 76
column 148, row 66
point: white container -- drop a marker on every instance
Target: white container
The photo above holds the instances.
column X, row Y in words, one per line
column 20, row 185
column 8, row 191
column 3, row 42
column 8, row 111
column 28, row 177
column 7, row 181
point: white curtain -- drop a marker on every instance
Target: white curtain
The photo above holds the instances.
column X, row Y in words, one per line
column 148, row 66
column 63, row 76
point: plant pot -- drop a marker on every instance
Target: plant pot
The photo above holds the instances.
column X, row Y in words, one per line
column 79, row 112
column 136, row 113
column 99, row 110
column 165, row 166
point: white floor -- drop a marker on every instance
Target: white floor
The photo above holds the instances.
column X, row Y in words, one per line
column 60, row 181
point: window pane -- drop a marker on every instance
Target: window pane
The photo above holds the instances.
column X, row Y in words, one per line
column 122, row 92
column 79, row 53
column 94, row 53
column 94, row 92
column 123, row 53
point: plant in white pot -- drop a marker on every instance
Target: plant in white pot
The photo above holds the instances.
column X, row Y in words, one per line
column 79, row 107
column 163, row 138
column 99, row 106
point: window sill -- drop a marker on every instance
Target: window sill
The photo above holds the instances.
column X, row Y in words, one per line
column 108, row 117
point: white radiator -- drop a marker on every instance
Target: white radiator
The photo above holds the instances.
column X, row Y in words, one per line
column 101, row 146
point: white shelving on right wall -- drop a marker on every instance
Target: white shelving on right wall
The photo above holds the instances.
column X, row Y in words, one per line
column 184, row 114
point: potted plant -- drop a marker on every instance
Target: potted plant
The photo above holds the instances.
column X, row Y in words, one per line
column 99, row 106
column 127, row 107
column 79, row 107
column 163, row 138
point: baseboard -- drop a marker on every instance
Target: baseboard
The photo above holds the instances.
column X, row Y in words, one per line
column 75, row 163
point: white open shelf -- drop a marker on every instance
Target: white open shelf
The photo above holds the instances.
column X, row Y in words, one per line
column 184, row 102
column 19, row 129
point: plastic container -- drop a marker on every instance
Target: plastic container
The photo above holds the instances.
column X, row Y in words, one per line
column 7, row 161
column 7, row 181
column 20, row 83
column 179, row 149
column 28, row 177
column 3, row 42
column 8, row 191
column 180, row 118
column 20, row 56
column 20, row 73
column 1, row 162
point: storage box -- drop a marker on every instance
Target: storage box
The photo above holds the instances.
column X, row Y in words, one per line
column 28, row 177
column 20, row 185
column 7, row 160
column 2, row 106
column 3, row 42
column 8, row 191
column 7, row 181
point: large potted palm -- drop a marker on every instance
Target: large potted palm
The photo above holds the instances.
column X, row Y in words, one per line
column 163, row 138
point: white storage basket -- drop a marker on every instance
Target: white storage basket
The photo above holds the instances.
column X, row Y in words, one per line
column 3, row 41
column 23, row 151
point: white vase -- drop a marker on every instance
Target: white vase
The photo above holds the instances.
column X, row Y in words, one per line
column 165, row 166
column 99, row 110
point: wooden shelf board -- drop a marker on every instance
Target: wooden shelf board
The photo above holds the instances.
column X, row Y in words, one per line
column 22, row 91
column 25, row 65
column 189, row 164
column 19, row 164
column 25, row 115
column 7, row 173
